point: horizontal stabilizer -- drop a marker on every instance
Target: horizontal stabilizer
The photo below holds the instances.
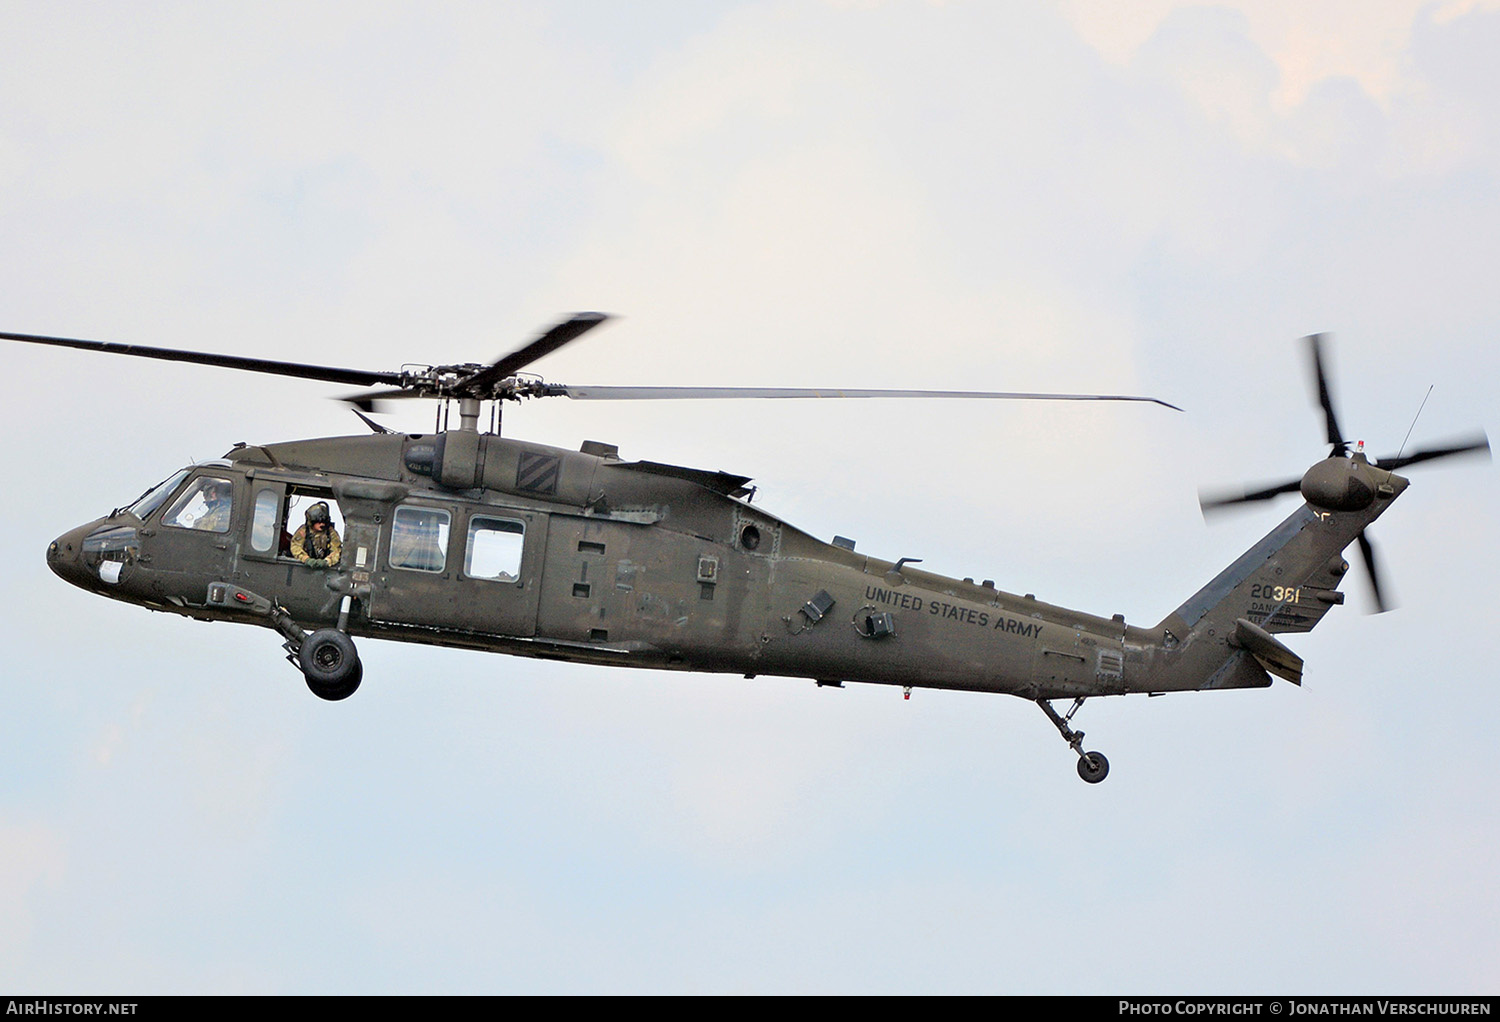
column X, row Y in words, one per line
column 1268, row 652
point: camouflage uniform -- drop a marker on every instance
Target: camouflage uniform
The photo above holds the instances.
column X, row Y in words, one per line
column 313, row 548
column 216, row 516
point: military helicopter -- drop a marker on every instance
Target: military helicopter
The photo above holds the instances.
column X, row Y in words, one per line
column 475, row 540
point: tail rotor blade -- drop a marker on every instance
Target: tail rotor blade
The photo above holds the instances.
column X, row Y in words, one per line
column 1367, row 550
column 1217, row 501
column 1335, row 437
column 1471, row 445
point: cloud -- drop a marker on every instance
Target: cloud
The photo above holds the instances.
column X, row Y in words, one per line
column 1308, row 43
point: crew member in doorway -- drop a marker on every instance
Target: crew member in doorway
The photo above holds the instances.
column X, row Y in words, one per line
column 316, row 544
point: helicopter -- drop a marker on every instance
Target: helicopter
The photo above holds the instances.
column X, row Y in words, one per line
column 475, row 540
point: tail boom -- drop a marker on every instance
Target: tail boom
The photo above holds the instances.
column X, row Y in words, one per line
column 1222, row 636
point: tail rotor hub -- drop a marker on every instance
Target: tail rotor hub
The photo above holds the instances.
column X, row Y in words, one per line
column 1341, row 484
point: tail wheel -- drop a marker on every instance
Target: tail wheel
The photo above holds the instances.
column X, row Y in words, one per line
column 1093, row 767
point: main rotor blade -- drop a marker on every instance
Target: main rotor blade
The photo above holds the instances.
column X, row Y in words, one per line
column 1472, row 445
column 719, row 393
column 506, row 366
column 1372, row 573
column 367, row 402
column 1218, row 501
column 1315, row 344
column 331, row 374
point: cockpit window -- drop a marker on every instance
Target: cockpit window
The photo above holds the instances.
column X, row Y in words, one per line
column 204, row 505
column 152, row 498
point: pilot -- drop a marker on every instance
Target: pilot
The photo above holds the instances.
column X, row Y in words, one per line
column 316, row 544
column 215, row 516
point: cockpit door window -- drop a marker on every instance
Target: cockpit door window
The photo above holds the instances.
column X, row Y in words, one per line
column 204, row 505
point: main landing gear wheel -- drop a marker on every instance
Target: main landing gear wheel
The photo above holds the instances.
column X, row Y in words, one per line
column 330, row 664
column 1092, row 766
column 342, row 690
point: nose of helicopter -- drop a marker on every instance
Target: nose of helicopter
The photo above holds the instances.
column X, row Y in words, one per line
column 65, row 556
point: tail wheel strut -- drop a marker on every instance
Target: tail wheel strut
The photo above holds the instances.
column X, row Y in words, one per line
column 1092, row 766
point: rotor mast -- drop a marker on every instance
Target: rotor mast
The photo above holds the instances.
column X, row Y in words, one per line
column 468, row 414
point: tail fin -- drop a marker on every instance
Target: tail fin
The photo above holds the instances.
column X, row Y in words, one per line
column 1220, row 638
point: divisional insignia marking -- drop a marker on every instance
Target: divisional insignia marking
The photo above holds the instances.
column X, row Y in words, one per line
column 537, row 473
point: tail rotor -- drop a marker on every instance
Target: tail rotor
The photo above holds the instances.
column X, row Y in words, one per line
column 1345, row 480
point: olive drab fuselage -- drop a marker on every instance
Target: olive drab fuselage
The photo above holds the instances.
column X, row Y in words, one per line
column 478, row 541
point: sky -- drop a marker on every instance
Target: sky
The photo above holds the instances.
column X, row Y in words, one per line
column 1156, row 198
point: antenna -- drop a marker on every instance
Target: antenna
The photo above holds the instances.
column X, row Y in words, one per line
column 1414, row 420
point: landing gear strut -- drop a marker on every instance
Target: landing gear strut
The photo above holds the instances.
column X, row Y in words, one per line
column 1092, row 766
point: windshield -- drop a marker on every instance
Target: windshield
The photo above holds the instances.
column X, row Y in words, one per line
column 152, row 498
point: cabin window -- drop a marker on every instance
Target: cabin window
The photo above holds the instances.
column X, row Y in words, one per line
column 294, row 517
column 204, row 506
column 419, row 539
column 265, row 523
column 299, row 499
column 494, row 550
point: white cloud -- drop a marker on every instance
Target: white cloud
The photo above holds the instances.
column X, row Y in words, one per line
column 1308, row 42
